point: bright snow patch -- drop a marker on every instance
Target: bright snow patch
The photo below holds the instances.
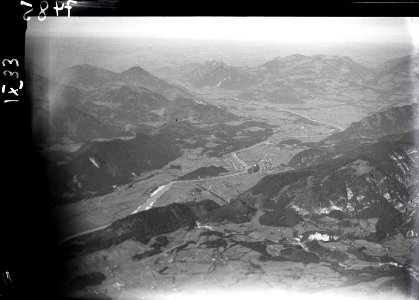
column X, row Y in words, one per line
column 324, row 210
column 76, row 181
column 300, row 210
column 360, row 198
column 94, row 162
column 349, row 193
column 322, row 237
column 157, row 190
column 319, row 237
column 335, row 207
column 149, row 206
column 200, row 102
column 203, row 226
column 150, row 202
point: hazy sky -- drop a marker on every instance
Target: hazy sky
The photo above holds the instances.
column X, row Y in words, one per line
column 263, row 29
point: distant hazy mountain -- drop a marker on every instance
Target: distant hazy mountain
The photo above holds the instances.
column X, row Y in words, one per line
column 139, row 98
column 291, row 79
column 119, row 102
column 128, row 99
column 122, row 102
column 66, row 118
column 178, row 71
column 299, row 66
column 298, row 78
column 217, row 74
column 126, row 106
column 87, row 77
column 138, row 77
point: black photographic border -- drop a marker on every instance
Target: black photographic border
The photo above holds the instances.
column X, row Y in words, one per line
column 28, row 246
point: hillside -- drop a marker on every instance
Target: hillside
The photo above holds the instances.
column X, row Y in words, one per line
column 203, row 172
column 382, row 171
column 352, row 178
column 71, row 124
column 98, row 166
column 143, row 226
column 393, row 121
column 196, row 111
column 397, row 77
column 139, row 78
column 215, row 139
column 63, row 114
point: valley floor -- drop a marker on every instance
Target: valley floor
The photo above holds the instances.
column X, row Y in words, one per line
column 84, row 216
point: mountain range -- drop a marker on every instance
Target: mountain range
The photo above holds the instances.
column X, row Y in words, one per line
column 86, row 102
column 87, row 77
column 378, row 179
column 297, row 79
column 361, row 177
column 72, row 115
column 109, row 104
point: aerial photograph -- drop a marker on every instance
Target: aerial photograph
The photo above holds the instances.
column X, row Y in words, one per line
column 230, row 157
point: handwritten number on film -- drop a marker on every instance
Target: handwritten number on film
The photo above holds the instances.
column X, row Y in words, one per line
column 13, row 91
column 44, row 6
